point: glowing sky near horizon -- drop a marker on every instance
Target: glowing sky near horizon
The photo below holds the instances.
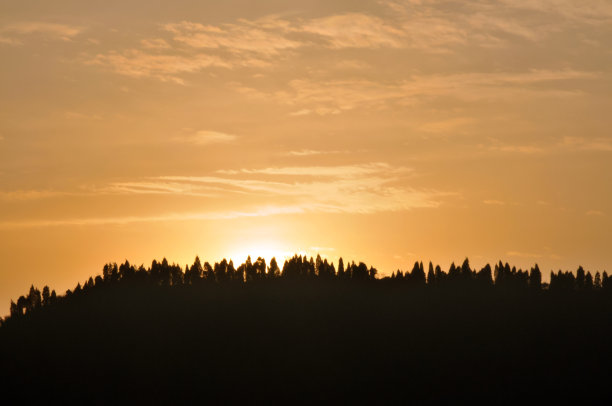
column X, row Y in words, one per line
column 385, row 131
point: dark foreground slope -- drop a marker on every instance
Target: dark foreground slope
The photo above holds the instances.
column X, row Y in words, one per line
column 311, row 341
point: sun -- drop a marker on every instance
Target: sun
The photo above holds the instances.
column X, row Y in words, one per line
column 266, row 249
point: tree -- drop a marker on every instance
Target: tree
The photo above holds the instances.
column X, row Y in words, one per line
column 597, row 282
column 417, row 276
column 466, row 270
column 580, row 278
column 14, row 310
column 250, row 270
column 485, row 276
column 46, row 296
column 588, row 281
column 431, row 276
column 535, row 278
column 273, row 270
column 340, row 268
column 34, row 298
column 22, row 305
column 605, row 281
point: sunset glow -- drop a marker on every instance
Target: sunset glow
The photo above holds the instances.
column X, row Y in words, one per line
column 386, row 131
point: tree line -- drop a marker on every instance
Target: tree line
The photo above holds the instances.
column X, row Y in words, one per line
column 302, row 268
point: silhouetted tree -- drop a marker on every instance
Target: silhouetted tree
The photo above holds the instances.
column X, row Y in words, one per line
column 340, row 268
column 417, row 276
column 431, row 276
column 273, row 269
column 588, row 281
column 535, row 278
column 484, row 276
column 466, row 271
column 34, row 298
column 597, row 282
column 605, row 281
column 580, row 276
column 46, row 296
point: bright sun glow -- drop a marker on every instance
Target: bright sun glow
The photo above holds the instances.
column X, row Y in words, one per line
column 266, row 249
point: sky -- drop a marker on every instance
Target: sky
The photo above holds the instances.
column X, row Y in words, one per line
column 381, row 131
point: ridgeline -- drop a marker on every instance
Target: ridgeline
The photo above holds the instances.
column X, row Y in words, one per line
column 312, row 332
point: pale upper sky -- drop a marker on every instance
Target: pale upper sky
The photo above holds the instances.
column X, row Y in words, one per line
column 385, row 131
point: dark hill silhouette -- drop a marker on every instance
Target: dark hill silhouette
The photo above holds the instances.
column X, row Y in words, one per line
column 310, row 332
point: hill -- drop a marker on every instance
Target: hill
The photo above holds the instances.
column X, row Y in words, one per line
column 158, row 336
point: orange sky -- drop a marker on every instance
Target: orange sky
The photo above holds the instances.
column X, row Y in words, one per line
column 383, row 131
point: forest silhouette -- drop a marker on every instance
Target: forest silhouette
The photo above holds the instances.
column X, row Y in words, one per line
column 313, row 331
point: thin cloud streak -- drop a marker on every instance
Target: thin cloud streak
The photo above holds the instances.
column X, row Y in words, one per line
column 101, row 221
column 314, row 152
column 356, row 189
column 203, row 138
column 332, row 97
column 63, row 32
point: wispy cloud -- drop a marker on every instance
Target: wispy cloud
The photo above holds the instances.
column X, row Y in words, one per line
column 9, row 41
column 21, row 195
column 533, row 255
column 523, row 254
column 155, row 43
column 361, row 188
column 563, row 145
column 587, row 144
column 313, row 152
column 202, row 138
column 165, row 67
column 334, row 96
column 445, row 126
column 50, row 30
column 169, row 217
column 266, row 36
column 521, row 149
column 182, row 47
column 494, row 202
column 354, row 30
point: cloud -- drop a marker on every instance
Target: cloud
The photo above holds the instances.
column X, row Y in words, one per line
column 22, row 195
column 51, row 30
column 354, row 30
column 312, row 152
column 521, row 149
column 494, row 202
column 9, row 41
column 523, row 254
column 594, row 213
column 322, row 249
column 169, row 217
column 154, row 43
column 445, row 126
column 73, row 115
column 334, row 96
column 365, row 188
column 202, row 138
column 362, row 189
column 531, row 255
column 564, row 144
column 342, row 171
column 167, row 68
column 591, row 12
column 587, row 144
column 432, row 27
column 265, row 36
column 303, row 112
